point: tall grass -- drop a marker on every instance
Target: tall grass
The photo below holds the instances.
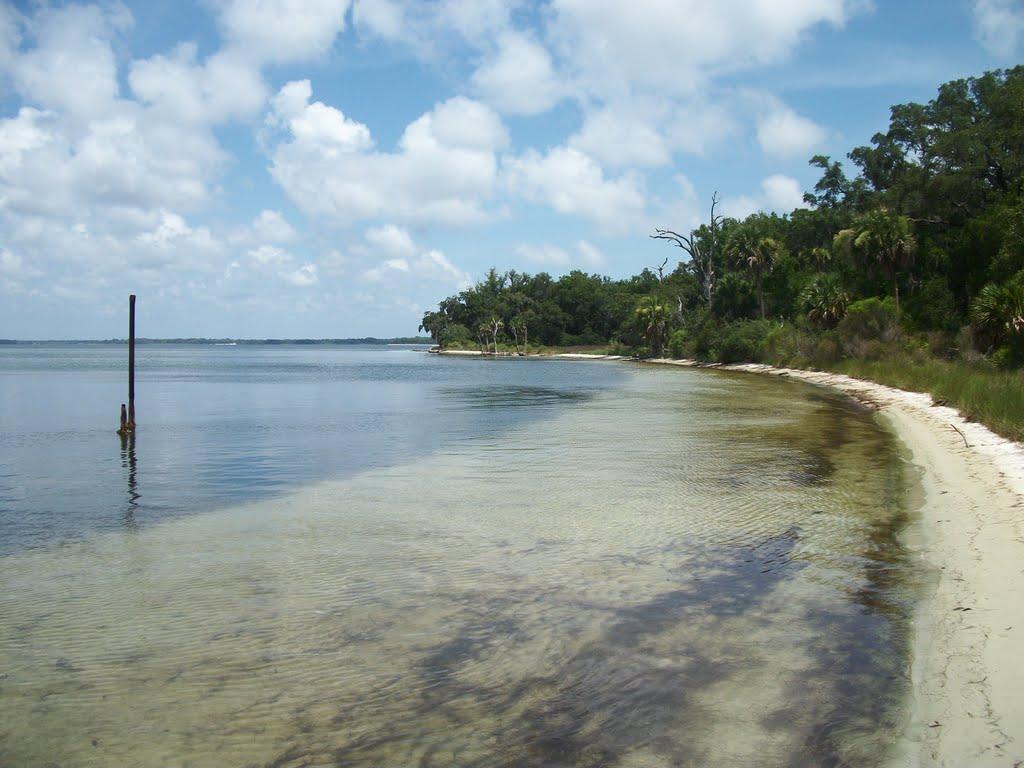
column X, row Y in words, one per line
column 981, row 393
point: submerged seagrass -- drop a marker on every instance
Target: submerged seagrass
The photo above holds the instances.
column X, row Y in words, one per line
column 603, row 564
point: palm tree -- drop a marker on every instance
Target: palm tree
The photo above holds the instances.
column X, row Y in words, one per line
column 758, row 255
column 880, row 240
column 825, row 301
column 999, row 309
column 653, row 317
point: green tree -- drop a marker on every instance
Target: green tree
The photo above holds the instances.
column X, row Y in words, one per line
column 999, row 310
column 755, row 253
column 825, row 301
column 880, row 240
column 653, row 317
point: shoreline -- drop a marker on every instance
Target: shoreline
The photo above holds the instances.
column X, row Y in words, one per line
column 966, row 698
column 967, row 683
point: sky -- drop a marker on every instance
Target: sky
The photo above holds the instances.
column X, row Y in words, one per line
column 333, row 168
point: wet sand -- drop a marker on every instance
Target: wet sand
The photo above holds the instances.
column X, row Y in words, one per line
column 967, row 701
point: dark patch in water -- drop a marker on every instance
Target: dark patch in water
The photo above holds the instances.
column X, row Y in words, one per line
column 611, row 698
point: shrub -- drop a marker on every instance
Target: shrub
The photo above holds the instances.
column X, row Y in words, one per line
column 741, row 342
column 679, row 345
column 868, row 320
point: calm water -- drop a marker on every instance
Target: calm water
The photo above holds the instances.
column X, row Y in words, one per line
column 334, row 556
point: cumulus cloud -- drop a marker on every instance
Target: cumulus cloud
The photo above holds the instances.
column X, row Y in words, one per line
column 573, row 183
column 303, row 277
column 672, row 45
column 225, row 86
column 282, row 30
column 998, row 25
column 391, row 240
column 71, row 68
column 430, row 28
column 779, row 194
column 273, row 227
column 444, row 169
column 518, row 77
column 430, row 264
column 783, row 133
column 782, row 193
column 269, row 254
column 621, row 138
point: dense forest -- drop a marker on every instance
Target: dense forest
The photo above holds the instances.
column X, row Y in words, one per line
column 920, row 253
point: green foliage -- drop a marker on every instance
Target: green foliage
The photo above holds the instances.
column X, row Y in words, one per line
column 933, row 220
column 873, row 319
column 825, row 301
column 679, row 345
column 742, row 341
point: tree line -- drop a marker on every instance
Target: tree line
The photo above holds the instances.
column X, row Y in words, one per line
column 924, row 245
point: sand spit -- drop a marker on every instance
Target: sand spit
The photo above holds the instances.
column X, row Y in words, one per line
column 967, row 707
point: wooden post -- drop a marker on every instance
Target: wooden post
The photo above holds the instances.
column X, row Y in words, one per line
column 128, row 414
column 131, row 361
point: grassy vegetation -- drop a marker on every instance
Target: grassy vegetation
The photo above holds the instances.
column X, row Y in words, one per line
column 980, row 392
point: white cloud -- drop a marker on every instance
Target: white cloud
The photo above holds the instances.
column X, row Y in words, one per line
column 998, row 25
column 573, row 183
column 383, row 18
column 784, row 133
column 391, row 240
column 518, row 77
column 430, row 28
column 434, row 265
column 672, row 45
column 782, row 193
column 269, row 254
column 303, row 277
column 378, row 273
column 225, row 86
column 620, row 138
column 316, row 125
column 72, row 68
column 779, row 194
column 271, row 226
column 430, row 264
column 282, row 30
column 550, row 257
column 444, row 169
column 174, row 231
column 590, row 255
column 741, row 206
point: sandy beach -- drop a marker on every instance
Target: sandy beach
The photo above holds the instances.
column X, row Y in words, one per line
column 967, row 706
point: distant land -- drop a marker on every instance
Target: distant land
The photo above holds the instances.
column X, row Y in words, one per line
column 364, row 340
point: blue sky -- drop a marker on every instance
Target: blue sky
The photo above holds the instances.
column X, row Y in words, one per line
column 330, row 168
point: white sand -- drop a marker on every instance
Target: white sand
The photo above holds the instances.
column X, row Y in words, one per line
column 967, row 706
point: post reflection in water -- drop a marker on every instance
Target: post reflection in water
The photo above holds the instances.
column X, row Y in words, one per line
column 130, row 463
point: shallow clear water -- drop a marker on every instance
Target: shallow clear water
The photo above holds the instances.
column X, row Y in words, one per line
column 443, row 562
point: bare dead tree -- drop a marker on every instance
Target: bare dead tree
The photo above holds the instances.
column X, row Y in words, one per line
column 661, row 270
column 495, row 325
column 702, row 254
